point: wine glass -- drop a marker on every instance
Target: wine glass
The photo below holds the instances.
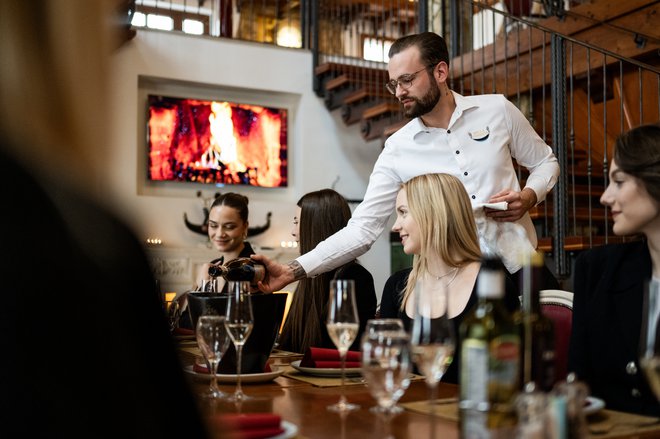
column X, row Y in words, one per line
column 386, row 366
column 650, row 335
column 213, row 341
column 377, row 325
column 373, row 327
column 343, row 325
column 433, row 338
column 239, row 324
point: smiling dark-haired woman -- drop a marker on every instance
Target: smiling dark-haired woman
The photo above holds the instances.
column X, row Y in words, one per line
column 610, row 280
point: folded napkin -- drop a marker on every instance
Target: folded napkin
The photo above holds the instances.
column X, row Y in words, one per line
column 203, row 368
column 183, row 331
column 249, row 425
column 324, row 358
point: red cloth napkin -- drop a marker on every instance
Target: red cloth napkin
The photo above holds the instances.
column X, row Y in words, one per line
column 324, row 358
column 183, row 331
column 202, row 368
column 249, row 425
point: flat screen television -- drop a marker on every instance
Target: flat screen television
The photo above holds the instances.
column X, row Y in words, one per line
column 216, row 142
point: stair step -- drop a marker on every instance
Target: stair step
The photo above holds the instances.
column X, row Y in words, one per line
column 576, row 243
column 596, row 213
column 376, row 118
column 358, row 101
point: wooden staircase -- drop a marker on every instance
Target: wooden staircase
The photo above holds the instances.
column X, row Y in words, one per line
column 521, row 66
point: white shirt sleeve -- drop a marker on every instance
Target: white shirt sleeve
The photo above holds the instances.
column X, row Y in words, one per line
column 366, row 224
column 530, row 151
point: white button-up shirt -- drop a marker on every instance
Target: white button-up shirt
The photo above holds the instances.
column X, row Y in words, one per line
column 484, row 134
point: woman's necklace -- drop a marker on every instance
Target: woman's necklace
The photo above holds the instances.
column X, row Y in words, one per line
column 453, row 272
column 453, row 277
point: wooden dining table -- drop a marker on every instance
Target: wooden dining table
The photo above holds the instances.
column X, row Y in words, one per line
column 305, row 405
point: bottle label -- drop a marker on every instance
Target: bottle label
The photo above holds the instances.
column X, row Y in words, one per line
column 474, row 378
column 503, row 370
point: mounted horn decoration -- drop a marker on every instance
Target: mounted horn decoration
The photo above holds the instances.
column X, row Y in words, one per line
column 203, row 228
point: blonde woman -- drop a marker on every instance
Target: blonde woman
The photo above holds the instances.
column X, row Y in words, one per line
column 435, row 223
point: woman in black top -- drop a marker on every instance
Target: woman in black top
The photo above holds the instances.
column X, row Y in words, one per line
column 609, row 280
column 319, row 215
column 436, row 225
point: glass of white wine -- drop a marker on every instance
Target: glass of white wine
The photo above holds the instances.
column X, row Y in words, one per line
column 433, row 337
column 650, row 335
column 342, row 324
column 239, row 322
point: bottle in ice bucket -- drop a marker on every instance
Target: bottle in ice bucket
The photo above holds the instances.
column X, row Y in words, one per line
column 490, row 360
column 239, row 269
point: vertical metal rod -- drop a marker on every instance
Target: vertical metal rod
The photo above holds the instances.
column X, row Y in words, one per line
column 558, row 71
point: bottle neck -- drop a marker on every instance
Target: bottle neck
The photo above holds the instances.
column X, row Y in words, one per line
column 531, row 284
column 490, row 284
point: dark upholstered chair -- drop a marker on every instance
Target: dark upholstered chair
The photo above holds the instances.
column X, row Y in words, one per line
column 558, row 306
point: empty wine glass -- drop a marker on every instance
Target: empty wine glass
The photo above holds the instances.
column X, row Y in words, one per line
column 372, row 327
column 343, row 325
column 239, row 322
column 386, row 366
column 650, row 335
column 388, row 324
column 213, row 341
column 433, row 338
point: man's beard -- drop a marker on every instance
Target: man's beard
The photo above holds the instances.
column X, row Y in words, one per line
column 424, row 104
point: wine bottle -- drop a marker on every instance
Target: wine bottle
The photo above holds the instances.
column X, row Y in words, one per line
column 537, row 330
column 490, row 359
column 239, row 269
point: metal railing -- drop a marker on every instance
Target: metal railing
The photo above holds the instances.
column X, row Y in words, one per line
column 578, row 96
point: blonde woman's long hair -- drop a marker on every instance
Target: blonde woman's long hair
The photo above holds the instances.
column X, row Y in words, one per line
column 442, row 210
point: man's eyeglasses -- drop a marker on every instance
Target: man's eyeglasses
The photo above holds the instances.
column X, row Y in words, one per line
column 404, row 81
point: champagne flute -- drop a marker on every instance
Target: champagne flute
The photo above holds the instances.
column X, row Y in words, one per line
column 650, row 334
column 239, row 324
column 213, row 341
column 433, row 338
column 386, row 366
column 343, row 325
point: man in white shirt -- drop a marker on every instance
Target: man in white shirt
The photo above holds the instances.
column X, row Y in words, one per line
column 474, row 138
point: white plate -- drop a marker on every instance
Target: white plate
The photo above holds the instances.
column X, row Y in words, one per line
column 231, row 378
column 325, row 372
column 594, row 405
column 290, row 431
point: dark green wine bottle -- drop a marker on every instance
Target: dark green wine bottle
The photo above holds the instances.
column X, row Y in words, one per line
column 490, row 360
column 240, row 269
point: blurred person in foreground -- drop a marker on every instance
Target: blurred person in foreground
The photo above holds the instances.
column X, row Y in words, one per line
column 475, row 138
column 86, row 344
column 435, row 223
column 320, row 214
column 610, row 280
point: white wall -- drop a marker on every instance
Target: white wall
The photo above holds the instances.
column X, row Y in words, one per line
column 321, row 147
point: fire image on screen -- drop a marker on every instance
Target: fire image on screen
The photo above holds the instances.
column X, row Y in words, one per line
column 216, row 142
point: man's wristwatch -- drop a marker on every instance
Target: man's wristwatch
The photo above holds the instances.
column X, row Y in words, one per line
column 298, row 270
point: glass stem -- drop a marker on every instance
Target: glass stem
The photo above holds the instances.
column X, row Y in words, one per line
column 213, row 368
column 239, row 358
column 433, row 390
column 342, row 358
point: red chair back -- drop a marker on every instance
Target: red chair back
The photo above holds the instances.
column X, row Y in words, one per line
column 562, row 317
